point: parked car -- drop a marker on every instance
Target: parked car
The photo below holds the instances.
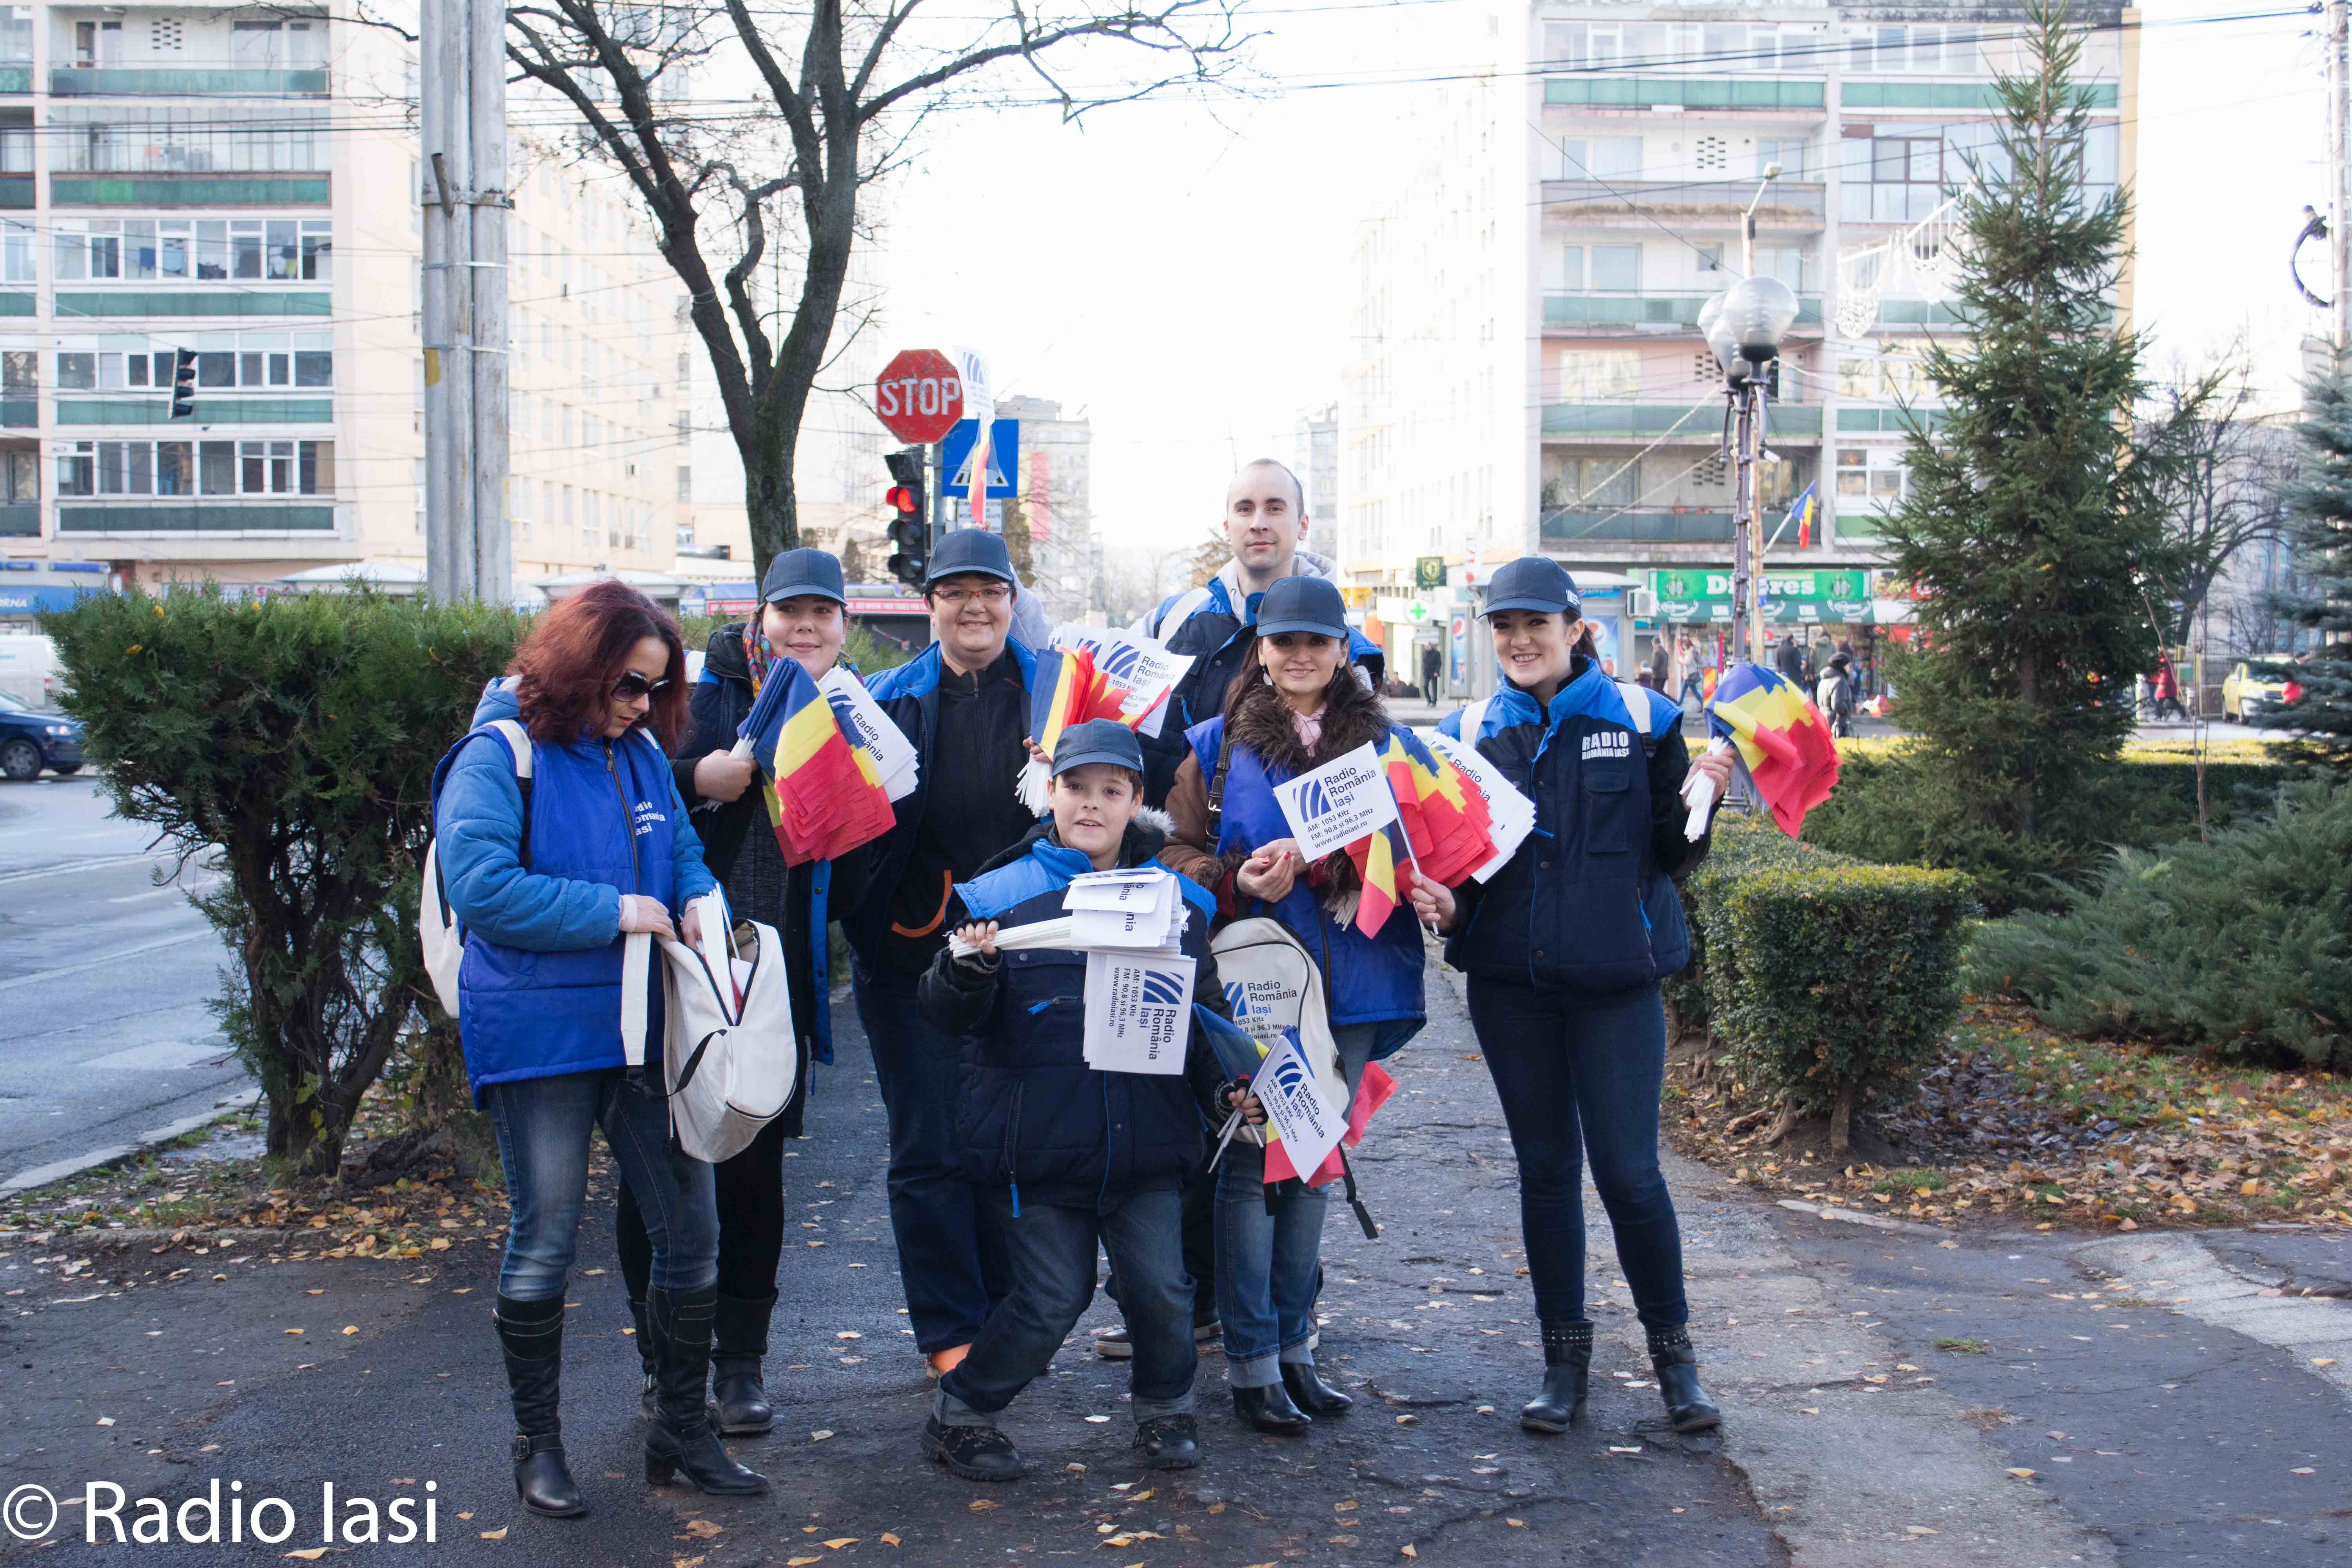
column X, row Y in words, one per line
column 2246, row 692
column 33, row 738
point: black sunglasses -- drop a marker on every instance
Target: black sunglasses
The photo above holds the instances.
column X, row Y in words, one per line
column 632, row 686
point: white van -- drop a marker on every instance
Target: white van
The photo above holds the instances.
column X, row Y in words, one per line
column 28, row 667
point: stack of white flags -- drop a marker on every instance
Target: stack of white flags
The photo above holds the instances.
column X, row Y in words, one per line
column 1139, row 995
column 863, row 721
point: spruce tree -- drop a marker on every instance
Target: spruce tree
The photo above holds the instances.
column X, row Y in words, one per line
column 2320, row 512
column 2035, row 517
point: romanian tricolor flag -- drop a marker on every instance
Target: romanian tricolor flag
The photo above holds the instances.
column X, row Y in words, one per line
column 1802, row 512
column 1378, row 855
column 1069, row 689
column 824, row 795
column 1370, row 1097
column 1446, row 825
column 1781, row 736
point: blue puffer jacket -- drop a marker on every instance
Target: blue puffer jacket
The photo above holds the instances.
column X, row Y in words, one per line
column 1032, row 1115
column 541, row 984
column 1366, row 980
column 1589, row 902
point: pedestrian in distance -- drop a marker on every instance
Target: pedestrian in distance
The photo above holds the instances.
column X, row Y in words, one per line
column 1430, row 665
column 1823, row 650
column 1661, row 665
column 1265, row 525
column 1789, row 659
column 964, row 703
column 803, row 617
column 1296, row 704
column 1066, row 1157
column 1690, row 675
column 547, row 886
column 1833, row 695
column 1564, row 948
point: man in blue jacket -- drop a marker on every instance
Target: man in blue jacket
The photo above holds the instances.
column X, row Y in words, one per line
column 1066, row 1157
column 964, row 703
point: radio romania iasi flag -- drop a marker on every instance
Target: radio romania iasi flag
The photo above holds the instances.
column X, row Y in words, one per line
column 824, row 795
column 1782, row 737
column 1069, row 689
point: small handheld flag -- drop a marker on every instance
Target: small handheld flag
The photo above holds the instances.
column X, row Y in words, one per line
column 1782, row 737
column 1069, row 689
column 824, row 795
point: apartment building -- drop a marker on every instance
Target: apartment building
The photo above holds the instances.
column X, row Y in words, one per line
column 1531, row 375
column 239, row 182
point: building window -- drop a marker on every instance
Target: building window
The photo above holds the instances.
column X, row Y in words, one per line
column 1588, row 376
column 170, row 468
column 1590, row 484
column 1601, row 158
column 1789, row 155
column 21, row 476
column 16, row 252
column 204, row 250
column 1617, row 269
column 247, row 361
column 256, row 140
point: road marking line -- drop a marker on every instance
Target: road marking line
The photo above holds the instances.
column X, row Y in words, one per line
column 103, row 963
column 2213, row 1292
column 72, row 866
column 159, row 892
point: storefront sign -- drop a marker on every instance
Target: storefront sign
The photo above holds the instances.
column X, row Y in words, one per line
column 1681, row 584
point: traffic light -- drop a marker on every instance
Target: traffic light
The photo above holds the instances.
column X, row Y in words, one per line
column 184, row 385
column 911, row 516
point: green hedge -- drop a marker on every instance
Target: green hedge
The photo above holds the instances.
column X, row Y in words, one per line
column 1830, row 981
column 294, row 740
column 1893, row 810
column 2240, row 948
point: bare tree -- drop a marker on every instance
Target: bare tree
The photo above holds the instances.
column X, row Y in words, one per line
column 836, row 94
column 2227, row 492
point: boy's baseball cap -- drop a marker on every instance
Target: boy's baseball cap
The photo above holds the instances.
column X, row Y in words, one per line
column 1097, row 740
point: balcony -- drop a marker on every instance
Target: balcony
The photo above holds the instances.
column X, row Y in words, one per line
column 220, row 302
column 175, row 190
column 1577, row 307
column 1790, row 203
column 16, row 193
column 184, row 82
column 18, row 412
column 16, row 77
column 1641, row 525
column 1686, row 92
column 212, row 408
column 20, row 520
column 1628, row 421
column 227, row 515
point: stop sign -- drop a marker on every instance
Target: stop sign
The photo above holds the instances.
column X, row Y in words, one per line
column 919, row 396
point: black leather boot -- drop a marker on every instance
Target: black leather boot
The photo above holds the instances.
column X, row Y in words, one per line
column 682, row 1437
column 1269, row 1409
column 1310, row 1392
column 1568, row 1378
column 975, row 1453
column 531, row 1336
column 646, row 1410
column 1168, row 1443
column 1688, row 1406
column 738, row 1339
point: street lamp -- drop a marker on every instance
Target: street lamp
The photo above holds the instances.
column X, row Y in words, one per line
column 1743, row 327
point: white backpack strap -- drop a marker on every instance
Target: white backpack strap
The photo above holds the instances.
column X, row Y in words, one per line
column 1473, row 718
column 1636, row 698
column 1180, row 611
column 637, row 976
column 517, row 740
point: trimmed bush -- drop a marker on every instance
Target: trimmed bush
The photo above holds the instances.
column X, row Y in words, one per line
column 2240, row 948
column 1830, row 982
column 296, row 739
column 1895, row 809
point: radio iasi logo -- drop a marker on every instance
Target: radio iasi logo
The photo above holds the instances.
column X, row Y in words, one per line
column 1315, row 801
column 1290, row 1078
column 1120, row 662
column 1237, row 999
column 1166, row 989
column 1602, row 744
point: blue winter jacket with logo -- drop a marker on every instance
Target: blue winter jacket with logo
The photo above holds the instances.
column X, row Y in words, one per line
column 541, row 983
column 1588, row 903
column 1030, row 1114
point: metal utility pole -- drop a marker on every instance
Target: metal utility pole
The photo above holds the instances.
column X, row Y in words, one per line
column 1748, row 549
column 468, row 548
column 2339, row 169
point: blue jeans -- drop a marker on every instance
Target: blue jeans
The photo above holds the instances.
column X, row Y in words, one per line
column 543, row 1124
column 951, row 1261
column 1051, row 1253
column 1581, row 1074
column 1268, row 1263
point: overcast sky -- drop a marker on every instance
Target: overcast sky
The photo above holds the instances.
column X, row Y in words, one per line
column 1183, row 277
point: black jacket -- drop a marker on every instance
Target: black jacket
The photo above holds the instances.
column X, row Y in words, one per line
column 1030, row 1114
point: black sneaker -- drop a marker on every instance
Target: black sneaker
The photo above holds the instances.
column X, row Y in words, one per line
column 1168, row 1443
column 975, row 1453
column 1112, row 1344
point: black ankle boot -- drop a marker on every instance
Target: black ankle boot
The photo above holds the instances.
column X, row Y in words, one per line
column 1310, row 1392
column 1168, row 1442
column 975, row 1453
column 1568, row 1377
column 1269, row 1409
column 531, row 1337
column 738, row 1339
column 646, row 1410
column 682, row 1437
column 1688, row 1406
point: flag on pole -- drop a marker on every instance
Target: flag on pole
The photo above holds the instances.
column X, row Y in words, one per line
column 1068, row 688
column 1782, row 737
column 1377, row 856
column 824, row 795
column 1803, row 510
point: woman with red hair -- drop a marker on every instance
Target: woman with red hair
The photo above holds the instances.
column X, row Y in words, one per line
column 548, row 881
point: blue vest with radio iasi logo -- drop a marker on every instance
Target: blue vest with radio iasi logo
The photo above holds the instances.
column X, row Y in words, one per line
column 1582, row 905
column 1366, row 980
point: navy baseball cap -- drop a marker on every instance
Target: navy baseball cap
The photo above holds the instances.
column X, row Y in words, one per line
column 1533, row 583
column 1303, row 604
column 806, row 571
column 1097, row 740
column 962, row 550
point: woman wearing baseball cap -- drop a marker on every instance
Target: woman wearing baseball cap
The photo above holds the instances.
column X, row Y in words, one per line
column 802, row 617
column 1294, row 704
column 1565, row 947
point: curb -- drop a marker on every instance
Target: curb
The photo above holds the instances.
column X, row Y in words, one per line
column 60, row 1170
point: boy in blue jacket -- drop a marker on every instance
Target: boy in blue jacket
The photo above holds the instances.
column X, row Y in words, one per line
column 1065, row 1156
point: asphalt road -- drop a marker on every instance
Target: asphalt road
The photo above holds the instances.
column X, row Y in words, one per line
column 104, row 975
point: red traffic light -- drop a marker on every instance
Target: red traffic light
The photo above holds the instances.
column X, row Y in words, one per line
column 901, row 500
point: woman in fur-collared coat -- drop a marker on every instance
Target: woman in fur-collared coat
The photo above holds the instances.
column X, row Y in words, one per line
column 1295, row 704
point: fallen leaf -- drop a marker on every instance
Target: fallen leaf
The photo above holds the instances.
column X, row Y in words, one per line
column 106, row 1420
column 2301, row 1471
column 820, row 1435
column 1096, row 1420
column 1408, row 1420
column 350, row 1328
column 1407, row 1550
column 498, row 1534
column 704, row 1527
column 838, row 1541
column 2322, row 1361
column 981, row 1505
column 311, row 1554
column 686, row 1563
column 293, row 1330
column 799, row 1562
column 1142, row 1495
column 1516, row 1523
column 1920, row 1530
column 887, row 1538
column 2022, row 1474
